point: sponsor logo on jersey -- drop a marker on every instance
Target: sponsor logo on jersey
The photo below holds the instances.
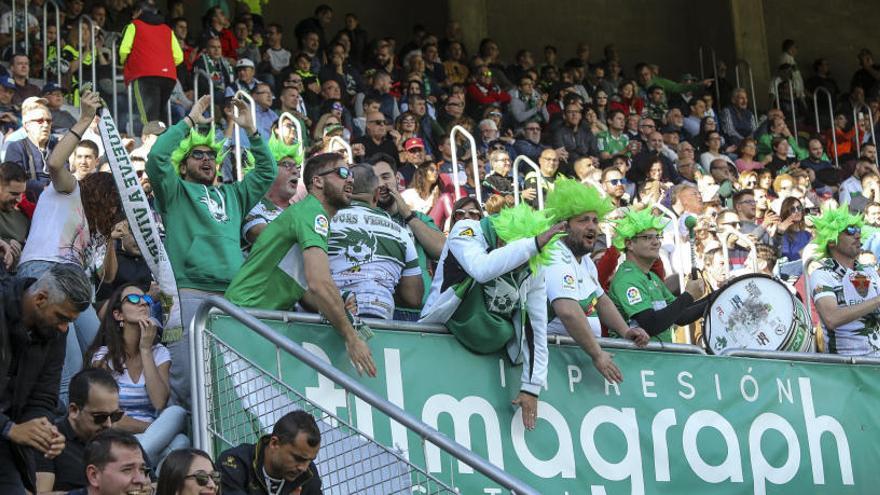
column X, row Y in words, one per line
column 568, row 282
column 469, row 232
column 322, row 226
column 633, row 296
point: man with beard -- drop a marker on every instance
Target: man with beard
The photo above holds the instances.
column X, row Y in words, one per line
column 576, row 301
column 429, row 240
column 844, row 291
column 278, row 197
column 614, row 185
column 14, row 223
column 34, row 315
column 289, row 263
column 203, row 221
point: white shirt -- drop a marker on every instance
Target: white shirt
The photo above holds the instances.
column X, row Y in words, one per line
column 568, row 278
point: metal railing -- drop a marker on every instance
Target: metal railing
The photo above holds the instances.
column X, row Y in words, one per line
column 241, row 94
column 273, row 403
column 341, row 144
column 456, row 182
column 45, row 40
column 810, row 357
column 296, row 123
column 725, row 250
column 197, row 73
column 82, row 57
column 714, row 74
column 793, row 102
column 818, row 90
column 748, row 68
column 540, row 182
column 857, row 109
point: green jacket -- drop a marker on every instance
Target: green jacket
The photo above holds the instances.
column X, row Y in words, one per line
column 765, row 147
column 672, row 87
column 203, row 224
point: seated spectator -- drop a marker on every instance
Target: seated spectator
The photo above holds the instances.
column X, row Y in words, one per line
column 746, row 151
column 123, row 264
column 245, row 80
column 128, row 346
column 282, row 462
column 93, row 408
column 527, row 104
column 713, row 151
column 778, row 128
column 378, row 139
column 791, row 234
column 574, row 135
column 300, row 235
column 63, row 115
column 614, row 141
column 114, row 464
column 656, row 106
column 693, row 121
column 737, row 121
column 484, row 91
column 188, row 471
column 498, row 181
column 548, row 163
column 371, row 256
column 780, row 160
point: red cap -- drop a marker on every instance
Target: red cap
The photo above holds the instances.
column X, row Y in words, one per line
column 413, row 143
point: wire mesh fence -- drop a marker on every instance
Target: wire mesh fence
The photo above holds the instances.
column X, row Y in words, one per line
column 244, row 402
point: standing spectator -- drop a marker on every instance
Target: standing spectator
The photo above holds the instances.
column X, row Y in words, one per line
column 647, row 78
column 150, row 52
column 457, row 71
column 93, row 408
column 695, row 117
column 278, row 197
column 357, row 37
column 527, row 104
column 548, row 163
column 614, row 141
column 275, row 57
column 215, row 66
column 188, row 472
column 788, row 64
column 282, row 462
column 868, row 74
column 245, row 80
column 34, row 316
column 127, row 345
column 20, row 70
column 203, row 221
column 216, row 25
column 316, row 24
column 247, row 48
column 31, row 153
column 63, row 115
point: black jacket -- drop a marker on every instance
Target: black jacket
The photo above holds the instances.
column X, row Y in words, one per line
column 30, row 371
column 241, row 471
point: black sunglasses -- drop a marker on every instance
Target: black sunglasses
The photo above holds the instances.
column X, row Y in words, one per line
column 853, row 230
column 471, row 213
column 101, row 418
column 138, row 298
column 202, row 477
column 202, row 154
column 342, row 172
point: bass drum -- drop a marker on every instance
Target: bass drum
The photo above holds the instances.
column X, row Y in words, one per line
column 757, row 312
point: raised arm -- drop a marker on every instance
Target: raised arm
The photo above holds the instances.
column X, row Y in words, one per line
column 62, row 178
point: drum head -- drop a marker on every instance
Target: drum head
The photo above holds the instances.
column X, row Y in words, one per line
column 750, row 312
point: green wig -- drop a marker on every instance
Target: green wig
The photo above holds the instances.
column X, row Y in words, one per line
column 570, row 198
column 633, row 223
column 194, row 139
column 521, row 222
column 280, row 150
column 830, row 224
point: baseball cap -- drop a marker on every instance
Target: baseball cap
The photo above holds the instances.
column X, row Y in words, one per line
column 244, row 62
column 413, row 143
column 7, row 82
column 51, row 87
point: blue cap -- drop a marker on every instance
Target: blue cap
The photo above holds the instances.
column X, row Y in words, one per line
column 50, row 87
column 7, row 82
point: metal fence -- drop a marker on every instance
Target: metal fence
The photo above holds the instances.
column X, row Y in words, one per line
column 244, row 401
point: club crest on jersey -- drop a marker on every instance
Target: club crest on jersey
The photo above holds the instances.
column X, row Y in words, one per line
column 861, row 283
column 468, row 232
column 633, row 296
column 322, row 226
column 567, row 282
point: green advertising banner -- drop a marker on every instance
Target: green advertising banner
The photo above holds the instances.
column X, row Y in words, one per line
column 678, row 423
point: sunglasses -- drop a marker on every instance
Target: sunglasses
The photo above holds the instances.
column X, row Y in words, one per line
column 616, row 182
column 853, row 230
column 341, row 172
column 203, row 154
column 202, row 477
column 795, row 209
column 649, row 237
column 487, row 73
column 101, row 418
column 472, row 213
column 138, row 298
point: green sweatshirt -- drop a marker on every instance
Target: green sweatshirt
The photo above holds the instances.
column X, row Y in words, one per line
column 203, row 224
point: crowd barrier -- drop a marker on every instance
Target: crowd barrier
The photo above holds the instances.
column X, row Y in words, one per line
column 475, row 163
column 827, row 93
column 540, row 184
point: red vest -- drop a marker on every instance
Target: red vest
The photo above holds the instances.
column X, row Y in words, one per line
column 151, row 53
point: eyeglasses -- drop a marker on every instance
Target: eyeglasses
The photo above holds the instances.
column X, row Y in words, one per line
column 202, row 477
column 487, row 73
column 648, row 237
column 376, row 122
column 341, row 172
column 40, row 121
column 101, row 418
column 748, row 202
column 472, row 213
column 203, row 154
column 616, row 182
column 853, row 230
column 138, row 298
column 795, row 209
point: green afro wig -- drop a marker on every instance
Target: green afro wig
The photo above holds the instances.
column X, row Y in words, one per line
column 194, row 139
column 633, row 223
column 570, row 198
column 280, row 150
column 521, row 222
column 831, row 223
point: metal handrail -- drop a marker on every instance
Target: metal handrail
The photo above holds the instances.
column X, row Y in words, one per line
column 474, row 162
column 608, row 343
column 748, row 67
column 822, row 89
column 46, row 4
column 130, row 111
column 537, row 169
column 793, row 105
column 715, row 81
column 725, row 250
column 243, row 95
column 810, row 357
column 336, row 140
column 113, row 74
column 808, row 299
column 196, row 73
column 856, row 110
column 168, row 110
column 199, row 392
column 297, row 124
column 82, row 57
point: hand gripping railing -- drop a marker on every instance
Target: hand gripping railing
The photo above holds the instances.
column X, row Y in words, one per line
column 725, row 250
column 296, row 123
column 242, row 94
column 537, row 169
column 204, row 73
column 46, row 41
column 474, row 162
column 200, row 388
column 856, row 110
column 82, row 56
column 792, row 100
column 336, row 143
column 822, row 89
column 748, row 68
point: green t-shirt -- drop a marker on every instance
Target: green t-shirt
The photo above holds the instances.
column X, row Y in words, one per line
column 274, row 277
column 634, row 291
column 607, row 143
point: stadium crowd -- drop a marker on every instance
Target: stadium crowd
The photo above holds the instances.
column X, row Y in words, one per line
column 602, row 198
